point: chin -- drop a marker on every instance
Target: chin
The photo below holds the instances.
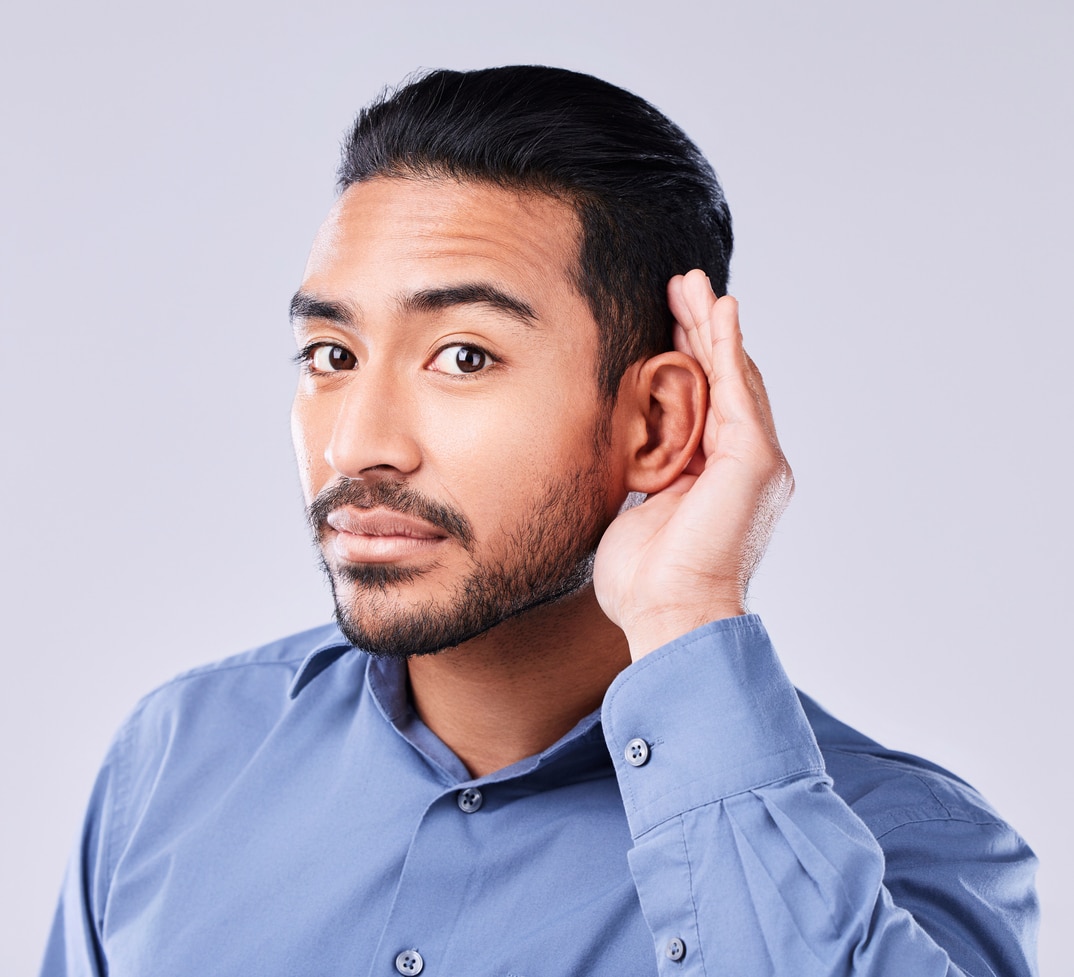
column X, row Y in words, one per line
column 375, row 617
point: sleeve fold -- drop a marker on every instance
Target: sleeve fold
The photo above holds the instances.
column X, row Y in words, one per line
column 745, row 852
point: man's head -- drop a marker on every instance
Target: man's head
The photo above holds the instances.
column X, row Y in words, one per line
column 648, row 202
column 485, row 345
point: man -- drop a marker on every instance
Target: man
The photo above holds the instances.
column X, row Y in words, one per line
column 544, row 738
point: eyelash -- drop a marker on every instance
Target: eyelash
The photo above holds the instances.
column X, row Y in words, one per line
column 492, row 361
column 305, row 354
column 304, row 357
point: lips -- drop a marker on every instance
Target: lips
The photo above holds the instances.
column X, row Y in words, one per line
column 382, row 522
column 380, row 535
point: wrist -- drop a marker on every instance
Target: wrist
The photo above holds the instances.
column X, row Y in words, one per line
column 655, row 630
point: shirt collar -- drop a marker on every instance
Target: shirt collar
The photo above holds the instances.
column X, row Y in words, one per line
column 387, row 681
column 330, row 650
column 575, row 754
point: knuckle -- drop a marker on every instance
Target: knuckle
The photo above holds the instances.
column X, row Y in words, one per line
column 778, row 475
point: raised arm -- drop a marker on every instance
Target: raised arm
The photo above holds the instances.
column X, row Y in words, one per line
column 745, row 858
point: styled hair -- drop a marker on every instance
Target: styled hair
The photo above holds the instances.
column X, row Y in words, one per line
column 648, row 202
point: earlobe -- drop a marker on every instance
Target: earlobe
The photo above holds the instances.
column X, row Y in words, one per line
column 668, row 404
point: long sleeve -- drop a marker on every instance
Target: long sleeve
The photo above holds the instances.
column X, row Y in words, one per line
column 748, row 862
column 73, row 948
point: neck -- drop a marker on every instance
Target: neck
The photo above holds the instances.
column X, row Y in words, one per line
column 518, row 688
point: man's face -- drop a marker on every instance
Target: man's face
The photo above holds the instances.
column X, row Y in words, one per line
column 449, row 432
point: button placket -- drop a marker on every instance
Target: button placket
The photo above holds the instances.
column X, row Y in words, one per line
column 675, row 949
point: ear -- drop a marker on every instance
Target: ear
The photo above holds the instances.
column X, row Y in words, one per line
column 666, row 400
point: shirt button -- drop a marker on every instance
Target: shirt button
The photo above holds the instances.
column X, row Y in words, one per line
column 637, row 752
column 675, row 949
column 409, row 962
column 470, row 800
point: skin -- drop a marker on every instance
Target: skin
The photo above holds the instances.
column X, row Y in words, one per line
column 382, row 401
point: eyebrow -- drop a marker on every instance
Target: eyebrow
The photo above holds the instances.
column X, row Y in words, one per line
column 307, row 306
column 470, row 293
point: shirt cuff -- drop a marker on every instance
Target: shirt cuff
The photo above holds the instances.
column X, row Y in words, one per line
column 709, row 715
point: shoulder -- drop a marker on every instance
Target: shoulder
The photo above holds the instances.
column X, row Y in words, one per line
column 269, row 669
column 214, row 716
column 937, row 833
column 949, row 859
column 286, row 653
column 186, row 743
column 888, row 789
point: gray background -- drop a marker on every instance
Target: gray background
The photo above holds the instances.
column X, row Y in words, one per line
column 900, row 179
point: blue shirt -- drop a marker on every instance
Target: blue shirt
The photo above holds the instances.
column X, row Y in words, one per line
column 285, row 812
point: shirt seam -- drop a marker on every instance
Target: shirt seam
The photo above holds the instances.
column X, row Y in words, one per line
column 950, row 819
column 693, row 899
column 115, row 815
column 211, row 669
column 936, row 797
column 895, row 763
column 925, row 780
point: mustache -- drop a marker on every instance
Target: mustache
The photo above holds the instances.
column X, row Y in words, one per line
column 385, row 494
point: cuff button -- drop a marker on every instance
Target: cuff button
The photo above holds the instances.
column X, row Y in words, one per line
column 409, row 963
column 636, row 752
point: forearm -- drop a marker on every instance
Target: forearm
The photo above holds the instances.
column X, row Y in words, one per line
column 745, row 853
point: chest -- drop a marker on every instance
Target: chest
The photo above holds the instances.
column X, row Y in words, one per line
column 335, row 868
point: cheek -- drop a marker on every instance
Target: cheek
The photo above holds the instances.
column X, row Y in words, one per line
column 498, row 465
column 308, row 448
column 502, row 441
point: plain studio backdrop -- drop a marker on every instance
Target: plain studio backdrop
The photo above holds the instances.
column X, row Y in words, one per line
column 900, row 178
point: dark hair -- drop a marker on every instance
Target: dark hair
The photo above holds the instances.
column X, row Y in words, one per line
column 649, row 203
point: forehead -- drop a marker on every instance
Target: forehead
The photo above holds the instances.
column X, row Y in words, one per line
column 410, row 233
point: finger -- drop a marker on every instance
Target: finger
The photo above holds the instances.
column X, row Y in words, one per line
column 696, row 464
column 717, row 339
column 676, row 303
column 690, row 299
column 679, row 339
column 760, row 392
column 709, row 331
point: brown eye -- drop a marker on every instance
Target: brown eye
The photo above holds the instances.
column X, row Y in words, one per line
column 332, row 359
column 457, row 360
column 469, row 360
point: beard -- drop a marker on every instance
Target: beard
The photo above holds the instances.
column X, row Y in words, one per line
column 545, row 556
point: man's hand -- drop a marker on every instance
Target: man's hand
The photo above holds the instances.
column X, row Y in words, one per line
column 685, row 556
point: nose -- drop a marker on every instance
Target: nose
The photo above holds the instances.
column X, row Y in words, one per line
column 372, row 434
